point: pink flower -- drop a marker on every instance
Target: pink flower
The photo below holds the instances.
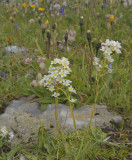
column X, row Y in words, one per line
column 28, row 60
column 40, row 59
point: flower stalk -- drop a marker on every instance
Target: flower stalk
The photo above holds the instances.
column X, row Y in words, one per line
column 73, row 118
column 56, row 115
column 93, row 108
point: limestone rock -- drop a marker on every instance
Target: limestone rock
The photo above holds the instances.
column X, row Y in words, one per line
column 24, row 118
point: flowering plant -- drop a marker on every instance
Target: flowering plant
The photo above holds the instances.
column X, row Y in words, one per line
column 109, row 48
column 56, row 81
column 5, row 136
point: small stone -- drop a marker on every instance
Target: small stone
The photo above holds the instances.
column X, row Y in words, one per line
column 22, row 158
column 117, row 119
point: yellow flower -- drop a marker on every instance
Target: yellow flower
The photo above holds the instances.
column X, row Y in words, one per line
column 112, row 18
column 11, row 18
column 24, row 5
column 15, row 9
column 41, row 1
column 32, row 6
column 41, row 9
column 46, row 22
column 9, row 9
column 9, row 40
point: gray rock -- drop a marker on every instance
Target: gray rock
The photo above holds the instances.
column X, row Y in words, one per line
column 15, row 50
column 24, row 118
column 22, row 158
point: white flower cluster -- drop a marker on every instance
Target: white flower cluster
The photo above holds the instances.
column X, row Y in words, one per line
column 58, row 71
column 111, row 46
column 4, row 133
column 96, row 64
column 108, row 48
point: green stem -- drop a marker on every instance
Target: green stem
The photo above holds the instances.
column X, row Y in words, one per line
column 93, row 108
column 73, row 118
column 56, row 114
column 71, row 110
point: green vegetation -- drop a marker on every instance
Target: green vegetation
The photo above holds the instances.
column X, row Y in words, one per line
column 114, row 89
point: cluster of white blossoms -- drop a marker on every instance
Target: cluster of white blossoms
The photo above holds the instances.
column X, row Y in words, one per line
column 108, row 48
column 96, row 63
column 4, row 133
column 58, row 71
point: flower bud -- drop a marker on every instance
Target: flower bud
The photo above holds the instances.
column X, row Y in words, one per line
column 39, row 21
column 39, row 76
column 43, row 32
column 81, row 21
column 89, row 37
column 98, row 14
column 54, row 26
column 49, row 35
column 34, row 83
column 42, row 65
column 66, row 36
column 98, row 47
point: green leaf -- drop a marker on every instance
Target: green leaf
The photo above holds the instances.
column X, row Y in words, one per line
column 13, row 151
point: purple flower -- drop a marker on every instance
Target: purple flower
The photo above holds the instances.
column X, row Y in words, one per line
column 2, row 75
column 62, row 11
column 105, row 4
column 40, row 59
column 16, row 25
column 110, row 65
column 28, row 60
column 51, row 10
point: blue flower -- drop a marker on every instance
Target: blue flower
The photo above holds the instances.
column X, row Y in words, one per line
column 62, row 11
column 51, row 10
column 110, row 65
column 105, row 4
column 2, row 75
column 16, row 25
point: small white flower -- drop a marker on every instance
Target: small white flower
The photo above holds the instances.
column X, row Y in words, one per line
column 64, row 4
column 98, row 68
column 66, row 82
column 11, row 135
column 96, row 61
column 110, row 70
column 54, row 74
column 60, row 80
column 62, row 73
column 4, row 131
column 55, row 94
column 55, row 61
column 57, row 6
column 51, row 88
column 107, row 51
column 109, row 59
column 71, row 89
column 73, row 100
column 48, row 82
column 60, row 61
